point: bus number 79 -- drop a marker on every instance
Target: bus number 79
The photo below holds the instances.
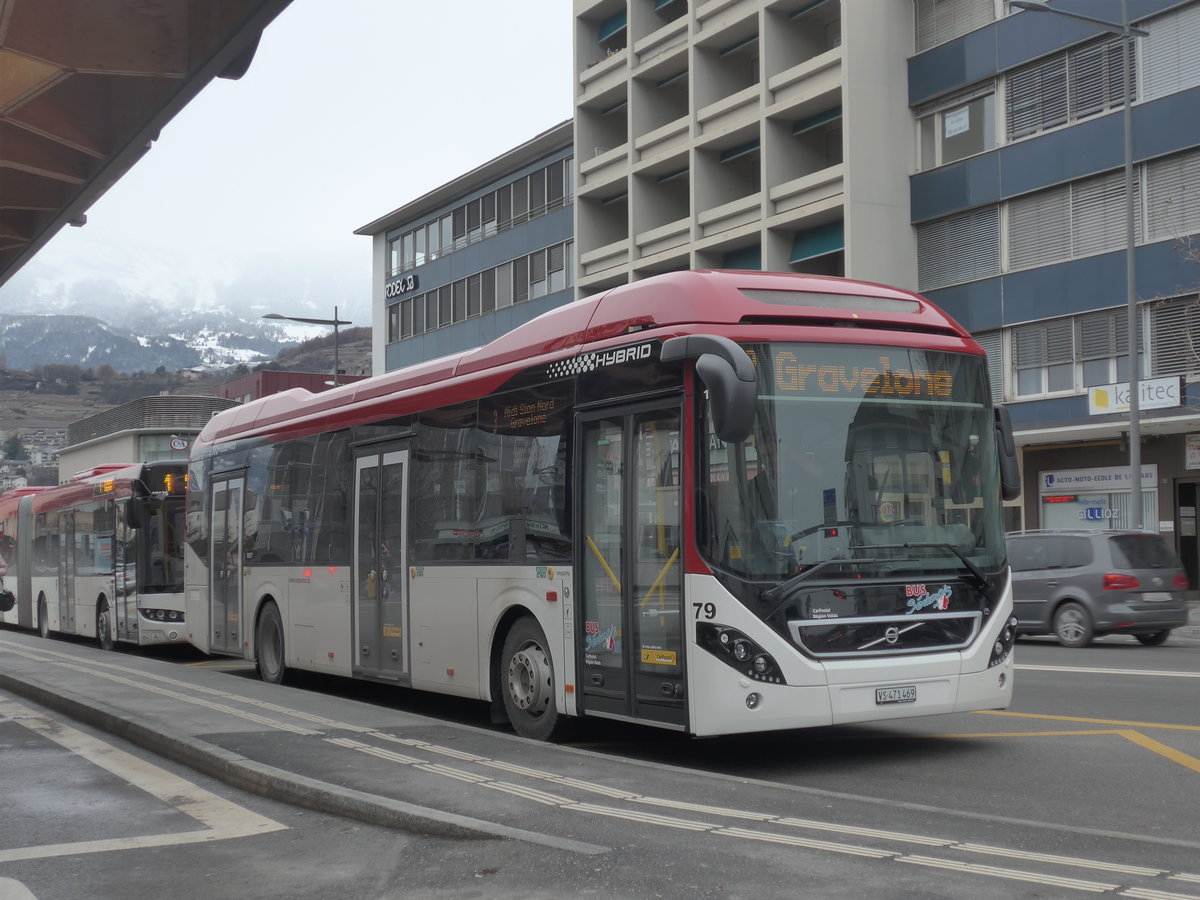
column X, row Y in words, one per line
column 705, row 610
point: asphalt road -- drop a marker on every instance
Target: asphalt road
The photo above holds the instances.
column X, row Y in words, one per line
column 1087, row 784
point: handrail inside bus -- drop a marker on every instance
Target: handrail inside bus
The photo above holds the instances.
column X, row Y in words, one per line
column 604, row 563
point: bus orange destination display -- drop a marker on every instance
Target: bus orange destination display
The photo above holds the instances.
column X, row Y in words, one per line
column 522, row 415
column 792, row 375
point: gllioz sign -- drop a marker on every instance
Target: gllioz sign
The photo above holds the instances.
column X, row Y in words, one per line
column 1153, row 393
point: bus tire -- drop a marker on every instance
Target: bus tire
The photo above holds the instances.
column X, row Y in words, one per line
column 526, row 677
column 268, row 645
column 43, row 618
column 104, row 634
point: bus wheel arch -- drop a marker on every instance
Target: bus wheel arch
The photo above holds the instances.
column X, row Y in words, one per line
column 268, row 642
column 524, row 674
column 104, row 624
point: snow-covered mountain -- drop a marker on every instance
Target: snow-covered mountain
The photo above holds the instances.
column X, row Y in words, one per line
column 92, row 312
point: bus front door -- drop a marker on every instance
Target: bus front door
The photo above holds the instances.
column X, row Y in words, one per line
column 66, row 574
column 225, row 567
column 125, row 575
column 630, row 571
column 380, row 567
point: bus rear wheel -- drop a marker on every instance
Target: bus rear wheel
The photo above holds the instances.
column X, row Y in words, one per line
column 104, row 636
column 527, row 681
column 43, row 618
column 268, row 643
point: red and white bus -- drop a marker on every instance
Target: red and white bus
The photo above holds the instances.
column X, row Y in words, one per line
column 100, row 556
column 710, row 501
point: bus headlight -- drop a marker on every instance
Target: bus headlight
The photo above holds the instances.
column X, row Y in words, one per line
column 1004, row 643
column 739, row 652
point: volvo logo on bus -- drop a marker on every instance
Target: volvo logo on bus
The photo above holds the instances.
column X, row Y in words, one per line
column 892, row 634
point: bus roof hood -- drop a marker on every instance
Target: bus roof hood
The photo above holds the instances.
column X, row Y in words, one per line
column 692, row 298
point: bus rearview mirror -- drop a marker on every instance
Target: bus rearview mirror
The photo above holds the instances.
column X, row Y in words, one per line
column 1006, row 449
column 728, row 375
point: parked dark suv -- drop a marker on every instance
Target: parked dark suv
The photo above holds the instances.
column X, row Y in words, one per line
column 1078, row 585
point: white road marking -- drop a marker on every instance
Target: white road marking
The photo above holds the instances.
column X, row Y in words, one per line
column 1152, row 894
column 808, row 843
column 1078, row 884
column 1092, row 670
column 1099, row 865
column 223, row 820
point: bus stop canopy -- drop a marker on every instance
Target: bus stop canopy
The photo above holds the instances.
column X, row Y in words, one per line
column 85, row 89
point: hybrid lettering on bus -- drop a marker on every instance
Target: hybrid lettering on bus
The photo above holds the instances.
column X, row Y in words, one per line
column 710, row 501
column 100, row 556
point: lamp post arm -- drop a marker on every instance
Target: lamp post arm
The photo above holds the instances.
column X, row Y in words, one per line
column 1122, row 28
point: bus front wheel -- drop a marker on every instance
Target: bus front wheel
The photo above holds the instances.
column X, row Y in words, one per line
column 43, row 618
column 104, row 636
column 527, row 681
column 268, row 642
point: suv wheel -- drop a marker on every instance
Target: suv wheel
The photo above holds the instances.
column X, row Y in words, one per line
column 1073, row 625
column 1155, row 639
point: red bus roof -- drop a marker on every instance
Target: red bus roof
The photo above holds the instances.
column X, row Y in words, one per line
column 675, row 303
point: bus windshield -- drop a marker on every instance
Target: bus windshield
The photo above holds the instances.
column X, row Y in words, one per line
column 869, row 461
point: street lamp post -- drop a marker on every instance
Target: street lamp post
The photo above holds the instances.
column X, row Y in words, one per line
column 1128, row 33
column 335, row 322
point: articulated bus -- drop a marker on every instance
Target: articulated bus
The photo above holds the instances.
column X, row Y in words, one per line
column 99, row 556
column 714, row 502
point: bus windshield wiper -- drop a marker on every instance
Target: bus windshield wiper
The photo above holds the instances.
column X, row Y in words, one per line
column 976, row 573
column 782, row 592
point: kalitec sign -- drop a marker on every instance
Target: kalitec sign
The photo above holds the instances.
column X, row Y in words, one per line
column 1153, row 393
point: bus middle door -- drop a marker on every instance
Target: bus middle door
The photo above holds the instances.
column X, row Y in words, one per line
column 225, row 567
column 380, row 567
column 630, row 571
column 66, row 574
column 125, row 574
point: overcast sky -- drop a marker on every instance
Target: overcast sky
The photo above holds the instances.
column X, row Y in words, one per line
column 350, row 109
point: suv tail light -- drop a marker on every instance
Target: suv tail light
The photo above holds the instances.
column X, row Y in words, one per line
column 1181, row 582
column 1114, row 582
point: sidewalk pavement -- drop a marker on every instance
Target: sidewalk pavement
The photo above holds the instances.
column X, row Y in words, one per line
column 1190, row 631
column 302, row 747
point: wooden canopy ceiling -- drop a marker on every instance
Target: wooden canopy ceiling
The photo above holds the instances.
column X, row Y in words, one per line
column 85, row 88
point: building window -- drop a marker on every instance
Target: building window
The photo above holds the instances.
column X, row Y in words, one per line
column 1066, row 222
column 1171, row 52
column 939, row 21
column 1066, row 87
column 1044, row 358
column 1173, row 196
column 1072, row 354
column 1175, row 333
column 958, row 128
column 1102, row 339
column 962, row 247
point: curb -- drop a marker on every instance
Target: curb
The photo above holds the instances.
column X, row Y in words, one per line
column 278, row 784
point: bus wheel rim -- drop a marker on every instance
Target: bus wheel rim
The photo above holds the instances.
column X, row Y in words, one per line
column 529, row 679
